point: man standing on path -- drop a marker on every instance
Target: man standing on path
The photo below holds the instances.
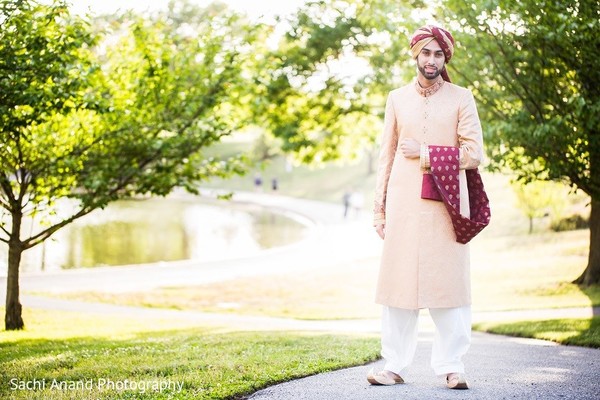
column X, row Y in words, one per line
column 422, row 264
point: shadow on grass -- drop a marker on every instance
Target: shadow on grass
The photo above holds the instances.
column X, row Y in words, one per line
column 589, row 337
column 568, row 331
column 593, row 293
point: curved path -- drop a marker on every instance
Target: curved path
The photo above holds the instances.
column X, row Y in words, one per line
column 499, row 367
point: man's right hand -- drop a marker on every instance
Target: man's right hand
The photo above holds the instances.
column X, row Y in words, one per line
column 380, row 229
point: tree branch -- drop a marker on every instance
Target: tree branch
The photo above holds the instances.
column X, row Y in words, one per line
column 45, row 234
column 5, row 205
column 5, row 231
column 507, row 80
column 7, row 189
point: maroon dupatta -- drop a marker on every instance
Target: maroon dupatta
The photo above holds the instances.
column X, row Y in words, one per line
column 443, row 184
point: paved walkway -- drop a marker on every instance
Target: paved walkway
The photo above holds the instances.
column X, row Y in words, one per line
column 250, row 322
column 499, row 367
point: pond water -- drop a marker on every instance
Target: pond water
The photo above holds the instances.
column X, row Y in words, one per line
column 155, row 230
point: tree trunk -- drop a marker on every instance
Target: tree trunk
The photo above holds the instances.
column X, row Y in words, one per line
column 591, row 275
column 13, row 318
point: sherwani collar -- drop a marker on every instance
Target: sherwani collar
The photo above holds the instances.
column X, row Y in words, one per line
column 431, row 90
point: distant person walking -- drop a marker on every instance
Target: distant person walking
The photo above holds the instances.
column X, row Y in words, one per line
column 258, row 182
column 346, row 202
column 422, row 264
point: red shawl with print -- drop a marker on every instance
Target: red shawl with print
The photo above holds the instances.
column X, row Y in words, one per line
column 445, row 186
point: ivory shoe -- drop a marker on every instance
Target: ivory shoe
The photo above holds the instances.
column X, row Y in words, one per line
column 384, row 378
column 456, row 381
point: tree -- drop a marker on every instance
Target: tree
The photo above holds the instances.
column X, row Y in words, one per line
column 538, row 199
column 85, row 122
column 306, row 94
column 534, row 67
column 322, row 89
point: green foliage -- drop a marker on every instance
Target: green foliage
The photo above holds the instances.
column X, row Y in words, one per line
column 538, row 199
column 47, row 73
column 534, row 67
column 99, row 118
column 46, row 65
column 390, row 24
column 88, row 118
column 311, row 86
column 531, row 66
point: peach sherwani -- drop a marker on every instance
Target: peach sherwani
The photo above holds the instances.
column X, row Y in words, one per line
column 422, row 265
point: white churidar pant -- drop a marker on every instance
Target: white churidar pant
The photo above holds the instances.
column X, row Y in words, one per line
column 450, row 343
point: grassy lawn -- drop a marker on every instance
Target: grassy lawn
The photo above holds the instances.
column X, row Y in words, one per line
column 123, row 358
column 577, row 332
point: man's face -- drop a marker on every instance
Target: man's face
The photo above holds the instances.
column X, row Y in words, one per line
column 430, row 60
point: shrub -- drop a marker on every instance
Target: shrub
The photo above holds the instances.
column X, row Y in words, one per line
column 570, row 223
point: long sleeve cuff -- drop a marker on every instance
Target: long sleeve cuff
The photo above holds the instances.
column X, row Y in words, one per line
column 424, row 157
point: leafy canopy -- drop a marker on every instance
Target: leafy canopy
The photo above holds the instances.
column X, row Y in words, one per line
column 534, row 68
column 95, row 118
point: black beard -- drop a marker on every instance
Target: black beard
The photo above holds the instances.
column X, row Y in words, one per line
column 428, row 76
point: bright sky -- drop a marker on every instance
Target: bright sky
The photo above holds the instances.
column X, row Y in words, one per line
column 254, row 8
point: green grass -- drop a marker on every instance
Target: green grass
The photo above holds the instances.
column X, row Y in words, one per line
column 209, row 363
column 577, row 332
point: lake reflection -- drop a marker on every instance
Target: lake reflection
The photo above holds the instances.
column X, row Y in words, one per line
column 137, row 232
